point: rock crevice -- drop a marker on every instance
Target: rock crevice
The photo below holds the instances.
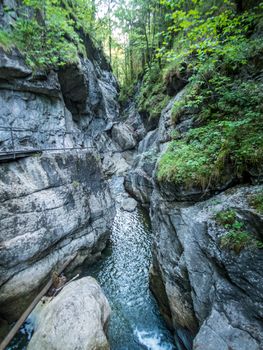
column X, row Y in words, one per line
column 211, row 296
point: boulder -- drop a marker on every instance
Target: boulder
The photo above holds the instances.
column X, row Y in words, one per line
column 128, row 204
column 76, row 318
column 123, row 135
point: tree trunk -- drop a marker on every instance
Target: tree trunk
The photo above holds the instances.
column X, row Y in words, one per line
column 239, row 5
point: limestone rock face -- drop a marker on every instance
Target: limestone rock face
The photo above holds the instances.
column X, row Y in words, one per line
column 12, row 65
column 212, row 297
column 51, row 207
column 76, row 318
column 56, row 202
column 213, row 292
column 123, row 135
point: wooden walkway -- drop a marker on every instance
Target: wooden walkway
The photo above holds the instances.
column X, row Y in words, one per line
column 6, row 156
column 13, row 153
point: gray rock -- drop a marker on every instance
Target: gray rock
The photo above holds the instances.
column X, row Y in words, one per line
column 134, row 120
column 57, row 203
column 148, row 141
column 51, row 207
column 122, row 134
column 7, row 18
column 76, row 318
column 211, row 297
column 39, row 83
column 74, row 89
column 114, row 164
column 128, row 204
column 212, row 292
column 12, row 65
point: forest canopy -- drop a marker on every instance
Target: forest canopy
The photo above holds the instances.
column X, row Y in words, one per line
column 133, row 33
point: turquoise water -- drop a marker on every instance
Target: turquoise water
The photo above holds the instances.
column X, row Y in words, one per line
column 123, row 273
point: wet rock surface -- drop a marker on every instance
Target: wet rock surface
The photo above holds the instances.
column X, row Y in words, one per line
column 212, row 291
column 211, row 296
column 51, row 207
column 76, row 318
column 56, row 202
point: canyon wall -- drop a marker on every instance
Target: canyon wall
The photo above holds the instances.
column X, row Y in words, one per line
column 55, row 200
column 209, row 294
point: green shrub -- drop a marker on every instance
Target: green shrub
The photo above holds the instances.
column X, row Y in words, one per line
column 256, row 201
column 178, row 110
column 45, row 46
column 47, row 33
column 226, row 217
column 200, row 158
column 187, row 164
column 237, row 238
column 152, row 97
column 225, row 104
column 6, row 41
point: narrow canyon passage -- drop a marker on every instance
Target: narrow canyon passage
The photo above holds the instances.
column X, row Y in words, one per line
column 123, row 274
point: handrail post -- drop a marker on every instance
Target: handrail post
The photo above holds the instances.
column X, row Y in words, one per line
column 13, row 142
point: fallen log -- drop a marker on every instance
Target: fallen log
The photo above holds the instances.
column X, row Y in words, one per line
column 30, row 308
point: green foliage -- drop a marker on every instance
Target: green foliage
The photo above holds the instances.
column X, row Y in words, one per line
column 152, row 97
column 43, row 47
column 225, row 104
column 226, row 218
column 237, row 238
column 179, row 108
column 256, row 201
column 214, row 33
column 47, row 34
column 201, row 156
column 126, row 93
column 5, row 40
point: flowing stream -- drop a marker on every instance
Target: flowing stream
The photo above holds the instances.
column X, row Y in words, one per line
column 123, row 274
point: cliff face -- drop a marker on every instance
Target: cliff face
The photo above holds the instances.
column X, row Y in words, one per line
column 209, row 293
column 56, row 202
column 213, row 292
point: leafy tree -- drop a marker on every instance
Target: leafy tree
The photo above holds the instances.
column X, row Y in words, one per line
column 47, row 31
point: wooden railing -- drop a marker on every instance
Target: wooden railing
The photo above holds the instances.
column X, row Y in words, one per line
column 14, row 153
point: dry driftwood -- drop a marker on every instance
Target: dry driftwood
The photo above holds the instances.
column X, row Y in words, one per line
column 26, row 313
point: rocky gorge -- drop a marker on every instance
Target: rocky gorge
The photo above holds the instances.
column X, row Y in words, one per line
column 60, row 199
column 57, row 201
column 209, row 295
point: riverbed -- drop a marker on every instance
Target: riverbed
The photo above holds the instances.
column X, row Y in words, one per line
column 123, row 273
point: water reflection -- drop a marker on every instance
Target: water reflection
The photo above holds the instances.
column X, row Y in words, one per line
column 123, row 274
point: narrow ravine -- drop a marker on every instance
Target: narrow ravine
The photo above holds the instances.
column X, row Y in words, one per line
column 123, row 274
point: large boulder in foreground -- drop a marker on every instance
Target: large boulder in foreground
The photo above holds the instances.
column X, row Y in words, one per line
column 75, row 319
